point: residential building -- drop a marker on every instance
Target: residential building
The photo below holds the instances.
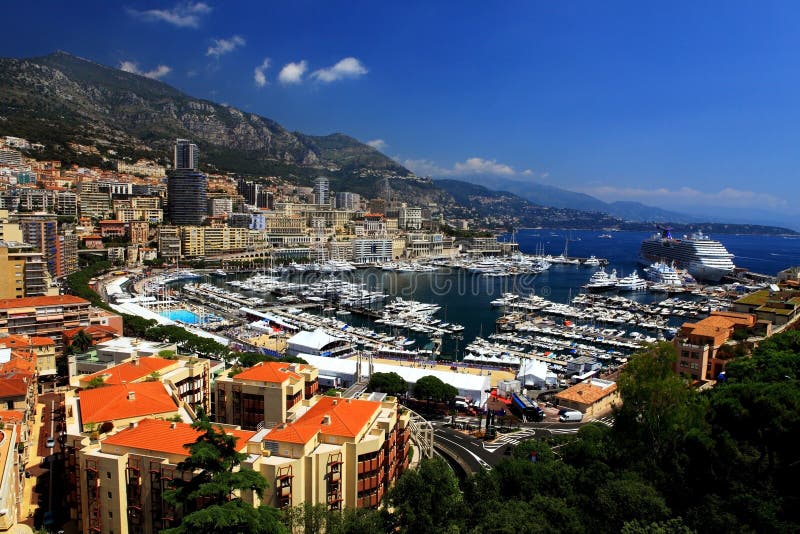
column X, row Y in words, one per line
column 112, row 228
column 409, row 218
column 94, row 204
column 778, row 307
column 67, row 203
column 139, row 232
column 141, row 168
column 346, row 200
column 372, row 250
column 219, row 206
column 118, row 484
column 66, row 254
column 699, row 344
column 340, row 453
column 593, row 397
column 42, row 234
column 24, row 272
column 41, row 349
column 169, row 242
column 186, row 197
column 12, row 479
column 322, row 191
column 44, row 316
column 186, row 155
column 264, row 394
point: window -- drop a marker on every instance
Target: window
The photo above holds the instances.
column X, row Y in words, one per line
column 108, row 474
column 109, row 495
column 110, row 515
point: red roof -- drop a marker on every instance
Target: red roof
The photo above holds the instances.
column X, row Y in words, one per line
column 347, row 417
column 16, row 341
column 270, row 372
column 109, row 403
column 11, row 416
column 15, row 385
column 93, row 330
column 166, row 437
column 128, row 372
column 28, row 302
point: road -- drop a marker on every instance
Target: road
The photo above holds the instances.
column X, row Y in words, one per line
column 476, row 454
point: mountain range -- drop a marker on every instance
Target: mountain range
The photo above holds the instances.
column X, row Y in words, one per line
column 91, row 114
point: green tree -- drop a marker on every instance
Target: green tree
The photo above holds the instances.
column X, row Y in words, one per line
column 81, row 341
column 426, row 499
column 389, row 383
column 430, row 387
column 211, row 500
column 96, row 382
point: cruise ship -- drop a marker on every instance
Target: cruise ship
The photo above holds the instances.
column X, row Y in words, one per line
column 704, row 258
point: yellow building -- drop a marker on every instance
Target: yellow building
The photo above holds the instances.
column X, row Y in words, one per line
column 43, row 349
column 117, row 484
column 11, row 477
column 264, row 394
column 341, row 453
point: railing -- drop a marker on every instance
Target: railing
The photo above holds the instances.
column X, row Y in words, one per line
column 421, row 434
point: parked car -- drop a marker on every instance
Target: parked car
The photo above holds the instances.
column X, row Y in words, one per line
column 50, row 442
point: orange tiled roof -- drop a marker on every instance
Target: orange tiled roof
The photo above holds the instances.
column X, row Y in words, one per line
column 110, row 403
column 15, row 385
column 93, row 330
column 270, row 372
column 586, row 393
column 27, row 302
column 21, row 361
column 128, row 372
column 347, row 418
column 160, row 436
column 12, row 416
column 15, row 341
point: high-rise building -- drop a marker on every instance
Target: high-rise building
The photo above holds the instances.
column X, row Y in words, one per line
column 186, row 197
column 186, row 155
column 321, row 190
column 346, row 200
column 186, row 187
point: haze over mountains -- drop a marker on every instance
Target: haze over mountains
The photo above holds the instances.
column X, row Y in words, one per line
column 70, row 103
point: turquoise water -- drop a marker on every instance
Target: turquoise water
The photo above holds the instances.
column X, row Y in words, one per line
column 183, row 316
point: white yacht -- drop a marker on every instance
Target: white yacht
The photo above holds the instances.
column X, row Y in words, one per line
column 602, row 281
column 632, row 282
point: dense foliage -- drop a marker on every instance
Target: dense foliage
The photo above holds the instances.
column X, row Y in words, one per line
column 676, row 461
column 389, row 383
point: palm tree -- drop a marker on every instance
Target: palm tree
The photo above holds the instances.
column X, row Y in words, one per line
column 81, row 341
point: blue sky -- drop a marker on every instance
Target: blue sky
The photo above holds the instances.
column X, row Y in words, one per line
column 685, row 105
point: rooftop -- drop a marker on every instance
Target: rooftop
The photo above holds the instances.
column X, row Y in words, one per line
column 156, row 435
column 124, row 401
column 131, row 371
column 271, row 372
column 30, row 302
column 316, row 340
column 331, row 416
column 588, row 392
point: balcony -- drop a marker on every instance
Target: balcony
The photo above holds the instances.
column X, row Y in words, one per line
column 370, row 483
column 368, row 466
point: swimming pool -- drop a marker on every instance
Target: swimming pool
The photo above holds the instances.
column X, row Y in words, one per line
column 181, row 316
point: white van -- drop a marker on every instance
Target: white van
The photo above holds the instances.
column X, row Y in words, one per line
column 572, row 416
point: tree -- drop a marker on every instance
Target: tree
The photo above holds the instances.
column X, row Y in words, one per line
column 81, row 341
column 430, row 387
column 211, row 499
column 96, row 382
column 426, row 499
column 389, row 383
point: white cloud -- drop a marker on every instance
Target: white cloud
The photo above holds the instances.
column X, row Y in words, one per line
column 223, row 46
column 183, row 15
column 688, row 196
column 483, row 166
column 470, row 166
column 348, row 67
column 378, row 144
column 292, row 73
column 133, row 67
column 258, row 73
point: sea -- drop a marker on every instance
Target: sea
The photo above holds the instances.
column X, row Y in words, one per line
column 465, row 298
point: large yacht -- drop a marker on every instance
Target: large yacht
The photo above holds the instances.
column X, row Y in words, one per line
column 704, row 258
column 602, row 281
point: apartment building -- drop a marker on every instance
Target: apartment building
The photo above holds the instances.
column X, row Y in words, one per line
column 117, row 484
column 189, row 378
column 341, row 453
column 41, row 349
column 139, row 232
column 44, row 316
column 698, row 344
column 24, row 272
column 169, row 242
column 264, row 394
